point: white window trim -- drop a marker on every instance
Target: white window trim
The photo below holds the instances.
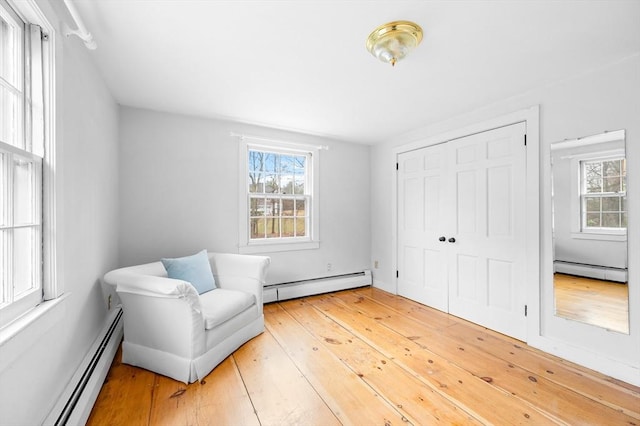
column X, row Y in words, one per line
column 577, row 232
column 245, row 245
column 52, row 288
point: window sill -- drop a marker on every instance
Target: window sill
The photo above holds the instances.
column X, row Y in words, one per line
column 601, row 236
column 274, row 247
column 22, row 333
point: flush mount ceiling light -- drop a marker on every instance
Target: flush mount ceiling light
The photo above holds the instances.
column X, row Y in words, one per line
column 391, row 42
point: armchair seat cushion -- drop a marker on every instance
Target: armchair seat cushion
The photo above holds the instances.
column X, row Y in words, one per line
column 220, row 305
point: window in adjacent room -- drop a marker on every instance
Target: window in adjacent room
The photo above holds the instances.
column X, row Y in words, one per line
column 280, row 201
column 603, row 195
column 22, row 162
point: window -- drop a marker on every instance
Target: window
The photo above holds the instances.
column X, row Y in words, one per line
column 22, row 158
column 603, row 194
column 279, row 199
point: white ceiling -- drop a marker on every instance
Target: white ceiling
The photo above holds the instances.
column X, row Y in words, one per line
column 302, row 65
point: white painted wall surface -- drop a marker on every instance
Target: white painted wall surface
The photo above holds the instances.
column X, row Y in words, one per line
column 179, row 194
column 606, row 98
column 46, row 354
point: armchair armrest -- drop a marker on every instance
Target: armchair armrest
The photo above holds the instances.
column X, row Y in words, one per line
column 240, row 272
column 161, row 313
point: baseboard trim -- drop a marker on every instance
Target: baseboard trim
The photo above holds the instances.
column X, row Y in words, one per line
column 75, row 403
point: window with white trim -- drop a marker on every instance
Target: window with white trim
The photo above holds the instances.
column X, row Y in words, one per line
column 603, row 194
column 22, row 158
column 279, row 200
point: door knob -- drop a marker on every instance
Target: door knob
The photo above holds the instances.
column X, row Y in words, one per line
column 452, row 240
column 442, row 239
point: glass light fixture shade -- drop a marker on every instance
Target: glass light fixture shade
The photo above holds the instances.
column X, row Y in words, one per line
column 391, row 42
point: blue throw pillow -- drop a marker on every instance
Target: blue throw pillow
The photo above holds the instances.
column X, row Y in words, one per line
column 194, row 269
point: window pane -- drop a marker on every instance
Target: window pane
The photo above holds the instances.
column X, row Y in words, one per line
column 287, row 163
column 257, row 207
column 300, row 227
column 287, row 208
column 272, row 185
column 272, row 206
column 23, row 187
column 610, row 204
column 257, row 228
column 9, row 52
column 593, row 220
column 286, row 181
column 256, row 161
column 24, row 267
column 10, row 113
column 300, row 163
column 288, row 227
column 611, row 220
column 273, row 227
column 593, row 204
column 612, row 184
column 299, row 184
column 611, row 168
column 270, row 162
column 593, row 177
column 256, row 183
column 300, row 208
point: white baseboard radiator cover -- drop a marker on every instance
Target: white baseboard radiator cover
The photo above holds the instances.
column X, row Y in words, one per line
column 590, row 271
column 293, row 290
column 75, row 403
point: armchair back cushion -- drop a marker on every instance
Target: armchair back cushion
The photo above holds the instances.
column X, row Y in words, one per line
column 194, row 269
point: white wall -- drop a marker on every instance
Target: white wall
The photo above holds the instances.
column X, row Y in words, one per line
column 179, row 194
column 607, row 98
column 46, row 354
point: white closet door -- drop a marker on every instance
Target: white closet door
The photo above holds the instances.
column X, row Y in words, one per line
column 471, row 191
column 487, row 259
column 421, row 208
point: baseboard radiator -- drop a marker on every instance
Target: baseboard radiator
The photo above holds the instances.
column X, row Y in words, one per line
column 75, row 403
column 292, row 290
column 590, row 271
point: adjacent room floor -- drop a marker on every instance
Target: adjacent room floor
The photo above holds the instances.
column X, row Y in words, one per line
column 367, row 357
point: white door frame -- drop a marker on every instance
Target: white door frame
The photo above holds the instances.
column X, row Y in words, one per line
column 531, row 116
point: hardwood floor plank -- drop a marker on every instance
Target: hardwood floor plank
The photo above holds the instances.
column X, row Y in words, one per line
column 205, row 402
column 280, row 393
column 365, row 356
column 619, row 396
column 174, row 403
column 351, row 399
column 125, row 397
column 417, row 401
column 469, row 392
column 561, row 403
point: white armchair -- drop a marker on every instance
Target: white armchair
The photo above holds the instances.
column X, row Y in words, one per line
column 172, row 330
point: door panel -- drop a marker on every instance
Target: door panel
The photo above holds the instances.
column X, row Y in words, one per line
column 496, row 208
column 421, row 262
column 471, row 190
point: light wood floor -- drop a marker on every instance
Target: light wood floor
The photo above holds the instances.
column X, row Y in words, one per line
column 596, row 302
column 366, row 357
